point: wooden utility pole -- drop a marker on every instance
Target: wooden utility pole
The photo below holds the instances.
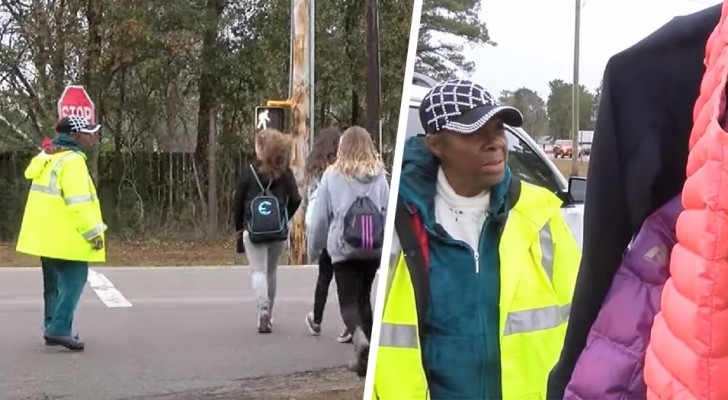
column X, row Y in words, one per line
column 373, row 81
column 575, row 96
column 300, row 107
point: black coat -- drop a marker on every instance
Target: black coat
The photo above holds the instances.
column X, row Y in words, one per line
column 284, row 189
column 638, row 160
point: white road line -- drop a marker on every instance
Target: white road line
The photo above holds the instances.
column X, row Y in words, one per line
column 105, row 290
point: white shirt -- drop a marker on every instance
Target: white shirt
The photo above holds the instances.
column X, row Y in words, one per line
column 462, row 217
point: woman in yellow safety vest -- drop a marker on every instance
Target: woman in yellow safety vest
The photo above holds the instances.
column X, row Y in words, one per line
column 62, row 225
column 478, row 299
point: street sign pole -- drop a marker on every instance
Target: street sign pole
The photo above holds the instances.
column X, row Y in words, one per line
column 300, row 107
column 301, row 103
column 575, row 95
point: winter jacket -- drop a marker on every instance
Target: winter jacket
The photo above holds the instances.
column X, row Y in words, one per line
column 611, row 365
column 284, row 188
column 492, row 319
column 688, row 355
column 637, row 162
column 63, row 213
column 334, row 197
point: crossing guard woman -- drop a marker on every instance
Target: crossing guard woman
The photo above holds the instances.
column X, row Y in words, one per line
column 62, row 225
column 478, row 299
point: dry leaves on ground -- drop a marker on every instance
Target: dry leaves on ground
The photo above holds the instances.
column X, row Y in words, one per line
column 143, row 253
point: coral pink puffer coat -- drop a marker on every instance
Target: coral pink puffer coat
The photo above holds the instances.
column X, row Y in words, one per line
column 688, row 354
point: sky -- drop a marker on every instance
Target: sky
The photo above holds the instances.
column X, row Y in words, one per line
column 536, row 38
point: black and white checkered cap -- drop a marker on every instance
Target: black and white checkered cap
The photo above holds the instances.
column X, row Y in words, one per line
column 462, row 106
column 76, row 124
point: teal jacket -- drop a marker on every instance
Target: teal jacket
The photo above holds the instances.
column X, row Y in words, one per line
column 461, row 352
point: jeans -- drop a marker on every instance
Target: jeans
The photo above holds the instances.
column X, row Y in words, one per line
column 263, row 259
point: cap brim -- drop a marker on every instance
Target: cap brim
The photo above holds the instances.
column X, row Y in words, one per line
column 476, row 118
column 90, row 129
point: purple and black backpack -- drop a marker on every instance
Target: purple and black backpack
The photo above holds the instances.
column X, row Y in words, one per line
column 364, row 226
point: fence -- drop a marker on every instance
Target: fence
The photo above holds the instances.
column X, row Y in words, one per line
column 142, row 194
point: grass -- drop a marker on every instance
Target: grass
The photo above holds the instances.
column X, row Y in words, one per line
column 144, row 253
column 564, row 165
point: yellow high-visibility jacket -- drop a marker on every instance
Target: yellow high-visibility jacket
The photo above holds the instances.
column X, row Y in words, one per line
column 63, row 213
column 539, row 260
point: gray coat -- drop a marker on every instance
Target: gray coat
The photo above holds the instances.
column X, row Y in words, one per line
column 335, row 194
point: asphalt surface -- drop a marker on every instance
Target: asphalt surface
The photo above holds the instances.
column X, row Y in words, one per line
column 189, row 333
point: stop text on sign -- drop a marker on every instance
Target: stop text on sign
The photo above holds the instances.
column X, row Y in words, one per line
column 82, row 111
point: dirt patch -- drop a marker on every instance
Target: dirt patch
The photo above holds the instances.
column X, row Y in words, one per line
column 330, row 384
column 145, row 253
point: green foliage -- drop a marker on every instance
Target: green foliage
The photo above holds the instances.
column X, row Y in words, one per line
column 444, row 25
column 145, row 64
column 552, row 118
column 559, row 107
column 535, row 118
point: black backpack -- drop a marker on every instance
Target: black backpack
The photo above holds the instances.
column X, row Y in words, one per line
column 268, row 220
column 364, row 226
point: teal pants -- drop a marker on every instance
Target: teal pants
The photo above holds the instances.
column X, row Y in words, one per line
column 63, row 283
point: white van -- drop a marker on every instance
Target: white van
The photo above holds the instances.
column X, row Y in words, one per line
column 525, row 158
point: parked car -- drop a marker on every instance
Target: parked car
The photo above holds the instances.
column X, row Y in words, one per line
column 419, row 79
column 528, row 162
column 563, row 149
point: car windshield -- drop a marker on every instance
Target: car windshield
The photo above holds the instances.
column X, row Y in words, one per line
column 525, row 163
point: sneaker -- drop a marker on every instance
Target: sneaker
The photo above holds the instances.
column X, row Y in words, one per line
column 313, row 328
column 361, row 354
column 345, row 337
column 264, row 323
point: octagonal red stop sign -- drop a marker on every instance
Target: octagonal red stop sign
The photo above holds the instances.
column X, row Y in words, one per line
column 76, row 101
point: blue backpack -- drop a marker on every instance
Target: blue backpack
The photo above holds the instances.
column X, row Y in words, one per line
column 268, row 220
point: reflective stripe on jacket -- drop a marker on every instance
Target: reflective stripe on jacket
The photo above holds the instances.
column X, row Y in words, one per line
column 63, row 212
column 539, row 261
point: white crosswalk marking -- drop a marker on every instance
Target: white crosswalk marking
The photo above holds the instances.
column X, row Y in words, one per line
column 105, row 290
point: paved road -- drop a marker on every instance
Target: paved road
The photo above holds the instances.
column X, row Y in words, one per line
column 188, row 331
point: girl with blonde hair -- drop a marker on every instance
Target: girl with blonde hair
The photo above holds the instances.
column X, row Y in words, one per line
column 265, row 200
column 348, row 221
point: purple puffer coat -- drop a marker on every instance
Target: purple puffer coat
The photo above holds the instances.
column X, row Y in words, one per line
column 611, row 364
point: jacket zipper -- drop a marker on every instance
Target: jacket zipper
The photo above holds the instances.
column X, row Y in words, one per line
column 481, row 311
column 476, row 257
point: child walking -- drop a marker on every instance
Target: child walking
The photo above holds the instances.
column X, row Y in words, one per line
column 265, row 200
column 322, row 155
column 348, row 221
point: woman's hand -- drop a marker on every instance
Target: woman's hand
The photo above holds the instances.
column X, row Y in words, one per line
column 97, row 243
